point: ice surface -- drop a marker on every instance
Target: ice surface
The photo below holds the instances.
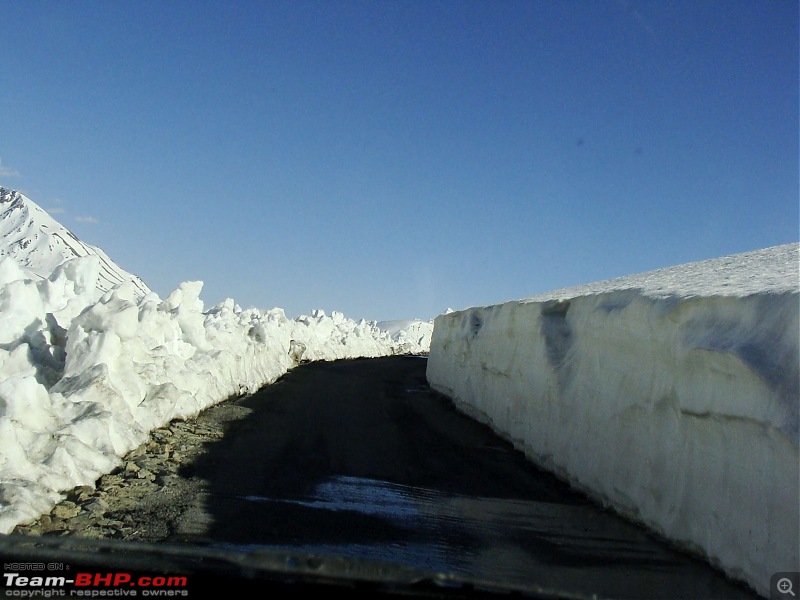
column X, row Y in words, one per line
column 86, row 374
column 671, row 396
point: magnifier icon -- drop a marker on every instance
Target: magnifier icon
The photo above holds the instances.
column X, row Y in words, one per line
column 784, row 586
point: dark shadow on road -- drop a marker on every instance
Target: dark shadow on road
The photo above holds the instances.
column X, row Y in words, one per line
column 361, row 458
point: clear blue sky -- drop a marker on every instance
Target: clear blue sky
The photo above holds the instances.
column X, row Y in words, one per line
column 391, row 159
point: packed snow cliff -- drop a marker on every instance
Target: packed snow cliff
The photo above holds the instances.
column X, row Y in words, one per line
column 86, row 374
column 671, row 396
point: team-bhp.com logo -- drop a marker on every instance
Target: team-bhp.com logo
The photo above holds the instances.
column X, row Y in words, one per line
column 38, row 580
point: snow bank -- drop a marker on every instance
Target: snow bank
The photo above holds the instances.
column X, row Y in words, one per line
column 671, row 396
column 85, row 375
column 413, row 336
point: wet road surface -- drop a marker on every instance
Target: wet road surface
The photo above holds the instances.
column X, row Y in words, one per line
column 359, row 458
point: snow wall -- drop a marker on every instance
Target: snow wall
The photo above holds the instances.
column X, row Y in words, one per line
column 85, row 375
column 659, row 395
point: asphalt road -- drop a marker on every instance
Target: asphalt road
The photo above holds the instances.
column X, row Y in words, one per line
column 361, row 459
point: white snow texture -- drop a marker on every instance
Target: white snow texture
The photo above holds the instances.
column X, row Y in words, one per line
column 91, row 360
column 671, row 396
column 39, row 243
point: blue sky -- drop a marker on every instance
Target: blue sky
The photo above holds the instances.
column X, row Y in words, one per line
column 391, row 159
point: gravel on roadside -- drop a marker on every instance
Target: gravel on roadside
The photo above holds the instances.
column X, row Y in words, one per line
column 144, row 497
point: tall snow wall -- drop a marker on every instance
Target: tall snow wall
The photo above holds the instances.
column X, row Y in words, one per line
column 671, row 397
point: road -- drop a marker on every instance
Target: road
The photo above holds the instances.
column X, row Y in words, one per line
column 360, row 458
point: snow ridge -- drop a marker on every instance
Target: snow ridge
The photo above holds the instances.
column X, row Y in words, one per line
column 39, row 243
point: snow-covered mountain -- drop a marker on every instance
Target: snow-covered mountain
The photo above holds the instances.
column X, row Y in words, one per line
column 39, row 243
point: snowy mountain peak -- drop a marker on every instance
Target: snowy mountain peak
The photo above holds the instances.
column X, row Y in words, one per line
column 39, row 243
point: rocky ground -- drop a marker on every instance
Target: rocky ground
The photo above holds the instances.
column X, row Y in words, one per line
column 146, row 495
